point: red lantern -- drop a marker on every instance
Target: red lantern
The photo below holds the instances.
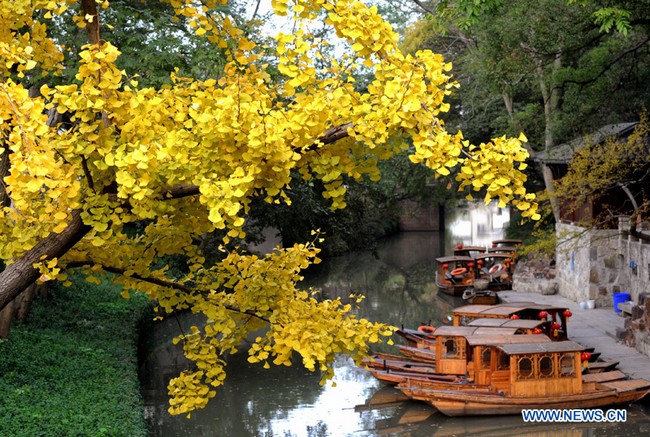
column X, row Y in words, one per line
column 585, row 356
column 470, row 265
column 542, row 314
column 514, row 317
column 555, row 327
column 567, row 313
column 537, row 331
column 459, row 246
column 445, row 266
column 479, row 262
column 494, row 244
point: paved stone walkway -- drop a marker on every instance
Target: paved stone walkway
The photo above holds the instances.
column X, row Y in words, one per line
column 593, row 328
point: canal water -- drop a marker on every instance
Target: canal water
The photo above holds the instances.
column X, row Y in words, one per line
column 398, row 282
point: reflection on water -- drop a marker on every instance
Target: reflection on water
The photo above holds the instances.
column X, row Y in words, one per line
column 398, row 282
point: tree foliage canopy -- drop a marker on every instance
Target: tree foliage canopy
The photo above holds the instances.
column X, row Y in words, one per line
column 86, row 158
column 545, row 67
column 610, row 174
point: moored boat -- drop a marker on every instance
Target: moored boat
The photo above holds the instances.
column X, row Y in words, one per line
column 480, row 297
column 471, row 251
column 454, row 274
column 458, row 356
column 496, row 268
column 557, row 316
column 532, row 375
column 514, row 242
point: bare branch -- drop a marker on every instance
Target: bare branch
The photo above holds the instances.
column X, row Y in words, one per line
column 167, row 283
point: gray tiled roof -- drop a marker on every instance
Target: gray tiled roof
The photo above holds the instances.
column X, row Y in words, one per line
column 563, row 153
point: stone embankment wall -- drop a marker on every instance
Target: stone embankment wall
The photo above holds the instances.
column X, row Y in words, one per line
column 535, row 275
column 595, row 264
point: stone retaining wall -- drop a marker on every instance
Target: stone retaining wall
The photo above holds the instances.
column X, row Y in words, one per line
column 595, row 264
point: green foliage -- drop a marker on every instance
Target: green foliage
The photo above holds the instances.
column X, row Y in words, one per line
column 368, row 216
column 611, row 175
column 560, row 49
column 71, row 370
column 152, row 42
column 614, row 17
column 372, row 210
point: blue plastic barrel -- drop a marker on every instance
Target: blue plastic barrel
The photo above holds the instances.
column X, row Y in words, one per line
column 620, row 298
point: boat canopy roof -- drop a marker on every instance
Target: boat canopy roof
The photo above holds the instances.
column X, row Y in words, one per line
column 447, row 259
column 507, row 323
column 502, row 249
column 507, row 241
column 494, row 255
column 503, row 308
column 500, row 339
column 468, row 331
column 469, row 249
column 541, row 348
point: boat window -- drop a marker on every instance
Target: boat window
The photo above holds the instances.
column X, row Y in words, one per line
column 546, row 366
column 454, row 347
column 486, row 356
column 451, row 350
column 503, row 362
column 524, row 367
column 567, row 366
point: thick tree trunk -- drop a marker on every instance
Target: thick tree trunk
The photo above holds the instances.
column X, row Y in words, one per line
column 21, row 273
column 19, row 307
column 6, row 314
column 551, row 100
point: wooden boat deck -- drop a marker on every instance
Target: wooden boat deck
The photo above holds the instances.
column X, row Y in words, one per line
column 604, row 376
column 627, row 385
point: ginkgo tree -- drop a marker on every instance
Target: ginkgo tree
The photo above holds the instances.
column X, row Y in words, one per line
column 186, row 159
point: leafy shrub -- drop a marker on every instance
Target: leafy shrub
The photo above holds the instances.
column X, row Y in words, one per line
column 71, row 369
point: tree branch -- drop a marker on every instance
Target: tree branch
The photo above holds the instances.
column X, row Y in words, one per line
column 167, row 283
column 424, row 7
column 21, row 273
column 17, row 276
column 89, row 8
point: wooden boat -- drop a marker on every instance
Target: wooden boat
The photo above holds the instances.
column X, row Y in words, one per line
column 496, row 316
column 471, row 251
column 454, row 346
column 532, row 375
column 385, row 397
column 398, row 363
column 396, row 369
column 418, row 338
column 497, row 268
column 507, row 242
column 394, row 377
column 455, row 357
column 454, row 274
column 556, row 317
column 418, row 353
column 511, row 250
column 480, row 297
column 523, row 326
column 601, row 366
